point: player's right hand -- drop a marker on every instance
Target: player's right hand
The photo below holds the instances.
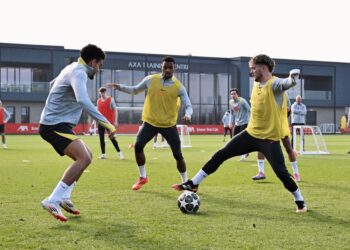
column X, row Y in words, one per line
column 113, row 86
column 186, row 119
column 112, row 134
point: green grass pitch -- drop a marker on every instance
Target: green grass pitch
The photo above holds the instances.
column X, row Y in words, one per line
column 236, row 213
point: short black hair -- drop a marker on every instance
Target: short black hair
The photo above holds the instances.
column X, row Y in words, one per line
column 102, row 89
column 234, row 89
column 264, row 60
column 91, row 52
column 168, row 59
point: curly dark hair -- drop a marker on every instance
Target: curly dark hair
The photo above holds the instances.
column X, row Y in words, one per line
column 264, row 60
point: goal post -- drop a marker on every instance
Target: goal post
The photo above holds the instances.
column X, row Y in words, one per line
column 308, row 140
column 184, row 134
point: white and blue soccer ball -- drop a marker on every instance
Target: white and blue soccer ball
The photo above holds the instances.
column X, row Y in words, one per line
column 188, row 202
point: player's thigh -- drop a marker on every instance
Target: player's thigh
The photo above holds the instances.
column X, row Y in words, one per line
column 146, row 133
column 171, row 135
column 240, row 144
column 273, row 153
column 78, row 150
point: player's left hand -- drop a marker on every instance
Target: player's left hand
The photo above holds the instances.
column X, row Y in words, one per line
column 294, row 73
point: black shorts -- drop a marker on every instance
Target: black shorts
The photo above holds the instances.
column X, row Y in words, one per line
column 239, row 129
column 170, row 134
column 2, row 128
column 59, row 135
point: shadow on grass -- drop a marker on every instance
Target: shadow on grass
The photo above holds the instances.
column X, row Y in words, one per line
column 263, row 182
column 328, row 187
column 112, row 235
column 160, row 194
column 328, row 219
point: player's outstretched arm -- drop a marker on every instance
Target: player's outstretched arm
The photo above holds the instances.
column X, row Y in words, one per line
column 133, row 90
column 114, row 86
column 286, row 83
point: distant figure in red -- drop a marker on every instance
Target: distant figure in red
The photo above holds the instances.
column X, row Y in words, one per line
column 106, row 105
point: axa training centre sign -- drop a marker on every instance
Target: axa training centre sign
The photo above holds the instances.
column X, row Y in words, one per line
column 153, row 65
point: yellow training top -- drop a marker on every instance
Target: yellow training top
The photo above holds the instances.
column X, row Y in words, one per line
column 161, row 104
column 284, row 117
column 265, row 118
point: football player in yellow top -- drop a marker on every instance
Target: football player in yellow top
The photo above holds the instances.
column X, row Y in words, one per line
column 286, row 143
column 264, row 129
column 159, row 115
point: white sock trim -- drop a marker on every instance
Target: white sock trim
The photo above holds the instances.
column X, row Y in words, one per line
column 142, row 171
column 295, row 166
column 297, row 195
column 184, row 176
column 261, row 166
column 67, row 194
column 198, row 178
column 58, row 192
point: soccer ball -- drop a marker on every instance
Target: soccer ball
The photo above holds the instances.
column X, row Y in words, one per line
column 188, row 202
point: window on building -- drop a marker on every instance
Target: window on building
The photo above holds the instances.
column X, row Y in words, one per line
column 24, row 79
column 3, row 79
column 12, row 111
column 194, row 88
column 222, row 87
column 24, row 114
column 123, row 77
column 318, row 87
column 207, row 88
column 183, row 78
column 137, row 77
column 207, row 114
column 106, row 76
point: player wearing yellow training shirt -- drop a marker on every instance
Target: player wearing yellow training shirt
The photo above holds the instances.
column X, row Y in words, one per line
column 286, row 143
column 264, row 129
column 159, row 115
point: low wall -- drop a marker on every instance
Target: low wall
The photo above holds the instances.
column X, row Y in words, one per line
column 32, row 128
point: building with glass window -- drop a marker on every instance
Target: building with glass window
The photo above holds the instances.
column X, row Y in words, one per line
column 26, row 71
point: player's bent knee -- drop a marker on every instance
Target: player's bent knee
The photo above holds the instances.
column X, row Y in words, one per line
column 139, row 147
column 178, row 157
column 86, row 161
